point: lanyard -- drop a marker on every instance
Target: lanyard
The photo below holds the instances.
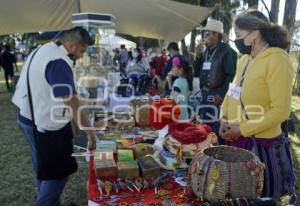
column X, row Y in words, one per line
column 211, row 55
column 245, row 72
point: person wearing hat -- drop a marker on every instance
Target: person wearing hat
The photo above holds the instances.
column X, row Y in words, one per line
column 216, row 70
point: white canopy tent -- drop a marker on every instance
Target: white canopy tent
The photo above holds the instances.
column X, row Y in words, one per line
column 159, row 19
column 116, row 42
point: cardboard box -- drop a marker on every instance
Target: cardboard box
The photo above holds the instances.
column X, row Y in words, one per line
column 128, row 169
column 148, row 167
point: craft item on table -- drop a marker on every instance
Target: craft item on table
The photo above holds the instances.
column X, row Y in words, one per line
column 116, row 186
column 143, row 149
column 122, row 184
column 82, row 154
column 123, row 121
column 100, row 185
column 163, row 112
column 106, row 146
column 125, row 155
column 146, row 183
column 125, row 143
column 139, row 183
column 149, row 135
column 128, row 169
column 105, row 165
column 131, row 183
column 223, row 172
column 148, row 166
column 141, row 110
column 168, row 161
column 107, row 187
column 186, row 139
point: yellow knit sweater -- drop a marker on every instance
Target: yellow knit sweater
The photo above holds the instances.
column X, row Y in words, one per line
column 266, row 94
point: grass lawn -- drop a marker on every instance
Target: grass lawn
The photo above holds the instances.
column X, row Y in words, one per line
column 17, row 180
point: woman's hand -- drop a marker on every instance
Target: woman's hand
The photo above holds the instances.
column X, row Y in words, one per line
column 232, row 133
column 223, row 127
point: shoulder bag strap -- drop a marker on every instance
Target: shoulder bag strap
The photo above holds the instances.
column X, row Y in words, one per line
column 28, row 87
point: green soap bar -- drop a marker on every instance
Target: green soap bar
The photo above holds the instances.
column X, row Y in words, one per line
column 125, row 155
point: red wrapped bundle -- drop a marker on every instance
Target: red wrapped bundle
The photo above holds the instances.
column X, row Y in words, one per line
column 163, row 112
column 189, row 133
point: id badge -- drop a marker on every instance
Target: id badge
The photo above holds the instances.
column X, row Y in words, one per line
column 234, row 91
column 206, row 66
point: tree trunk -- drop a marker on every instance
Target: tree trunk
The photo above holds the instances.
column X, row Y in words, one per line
column 184, row 48
column 274, row 11
column 289, row 15
column 193, row 40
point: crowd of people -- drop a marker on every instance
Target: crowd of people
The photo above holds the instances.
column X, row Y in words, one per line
column 245, row 102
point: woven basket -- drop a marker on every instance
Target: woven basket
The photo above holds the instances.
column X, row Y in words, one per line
column 224, row 172
column 141, row 110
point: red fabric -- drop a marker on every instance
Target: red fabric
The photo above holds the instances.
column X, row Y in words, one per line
column 153, row 89
column 148, row 196
column 189, row 133
column 92, row 182
column 161, row 113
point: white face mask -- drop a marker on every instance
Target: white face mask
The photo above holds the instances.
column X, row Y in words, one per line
column 135, row 54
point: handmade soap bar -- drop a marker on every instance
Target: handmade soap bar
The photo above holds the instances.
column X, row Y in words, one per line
column 128, row 169
column 148, row 167
column 125, row 155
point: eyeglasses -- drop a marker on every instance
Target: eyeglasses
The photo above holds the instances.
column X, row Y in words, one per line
column 206, row 34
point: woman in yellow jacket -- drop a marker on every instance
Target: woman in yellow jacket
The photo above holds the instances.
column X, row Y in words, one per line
column 259, row 98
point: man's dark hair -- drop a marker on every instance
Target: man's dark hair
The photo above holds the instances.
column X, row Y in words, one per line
column 122, row 46
column 174, row 46
column 7, row 47
column 77, row 34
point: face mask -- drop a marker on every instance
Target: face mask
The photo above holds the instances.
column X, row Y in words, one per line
column 240, row 45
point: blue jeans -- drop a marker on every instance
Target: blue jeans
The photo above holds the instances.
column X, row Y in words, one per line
column 49, row 191
column 27, row 131
column 209, row 112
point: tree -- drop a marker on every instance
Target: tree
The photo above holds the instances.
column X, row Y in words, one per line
column 290, row 15
column 274, row 11
column 252, row 3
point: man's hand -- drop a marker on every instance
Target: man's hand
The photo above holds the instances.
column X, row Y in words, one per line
column 218, row 100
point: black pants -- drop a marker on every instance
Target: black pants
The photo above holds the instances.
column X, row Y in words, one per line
column 8, row 74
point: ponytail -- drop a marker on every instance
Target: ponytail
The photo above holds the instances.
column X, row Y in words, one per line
column 276, row 36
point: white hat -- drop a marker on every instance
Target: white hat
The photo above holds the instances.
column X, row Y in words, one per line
column 214, row 25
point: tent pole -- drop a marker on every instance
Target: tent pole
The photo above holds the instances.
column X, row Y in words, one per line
column 78, row 6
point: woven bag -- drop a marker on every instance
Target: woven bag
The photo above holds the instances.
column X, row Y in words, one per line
column 224, row 172
column 141, row 110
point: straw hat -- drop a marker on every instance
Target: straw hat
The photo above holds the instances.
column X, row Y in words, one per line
column 214, row 25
